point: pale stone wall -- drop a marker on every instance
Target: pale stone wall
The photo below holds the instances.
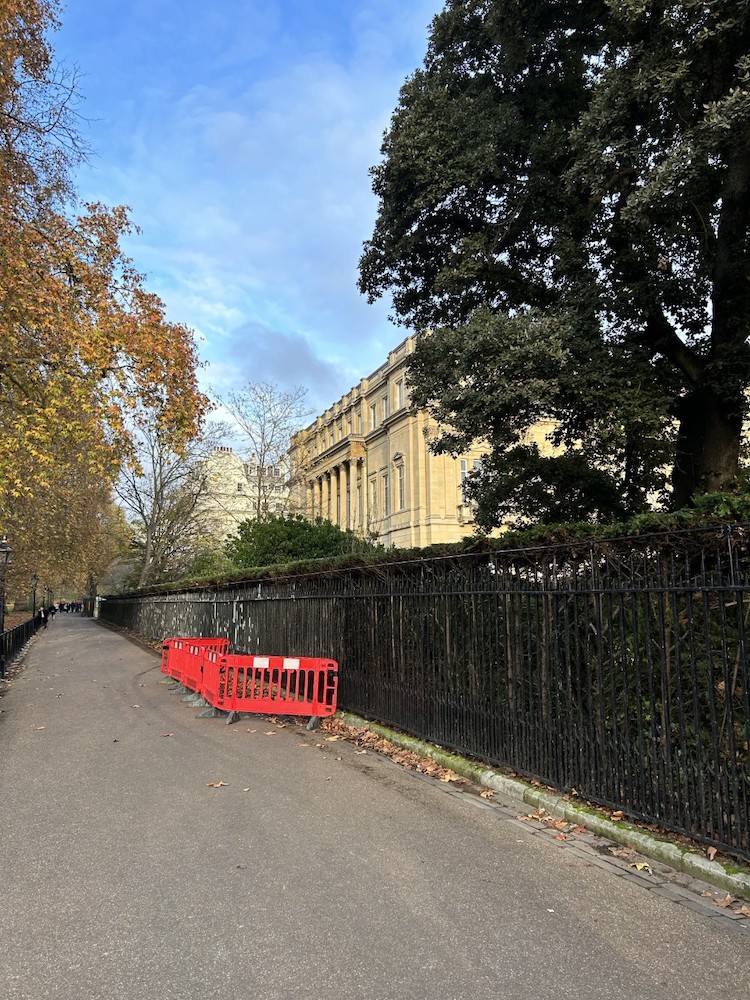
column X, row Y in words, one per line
column 366, row 465
column 230, row 488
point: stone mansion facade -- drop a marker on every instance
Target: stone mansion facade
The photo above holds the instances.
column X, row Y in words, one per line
column 366, row 465
column 233, row 490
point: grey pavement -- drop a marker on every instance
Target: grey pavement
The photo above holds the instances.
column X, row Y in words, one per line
column 315, row 871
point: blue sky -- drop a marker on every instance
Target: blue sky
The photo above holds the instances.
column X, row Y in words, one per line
column 240, row 133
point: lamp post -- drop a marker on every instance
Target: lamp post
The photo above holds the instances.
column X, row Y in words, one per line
column 5, row 551
column 34, row 584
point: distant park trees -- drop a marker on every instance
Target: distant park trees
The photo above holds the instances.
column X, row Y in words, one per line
column 162, row 498
column 564, row 201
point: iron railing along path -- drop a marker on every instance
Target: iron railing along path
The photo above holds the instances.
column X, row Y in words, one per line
column 616, row 669
column 12, row 641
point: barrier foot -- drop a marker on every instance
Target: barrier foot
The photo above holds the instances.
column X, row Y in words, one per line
column 196, row 700
column 210, row 713
column 313, row 723
column 233, row 716
column 179, row 689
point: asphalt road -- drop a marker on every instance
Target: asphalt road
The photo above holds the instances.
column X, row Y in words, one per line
column 316, row 871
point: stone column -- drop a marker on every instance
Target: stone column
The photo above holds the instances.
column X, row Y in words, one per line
column 310, row 500
column 336, row 489
column 346, row 497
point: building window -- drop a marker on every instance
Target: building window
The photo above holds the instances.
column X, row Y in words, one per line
column 359, row 420
column 386, row 408
column 373, row 417
column 399, row 393
column 386, row 496
column 359, row 504
column 400, row 488
column 373, row 498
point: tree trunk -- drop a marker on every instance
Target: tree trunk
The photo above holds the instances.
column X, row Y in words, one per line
column 147, row 557
column 708, row 446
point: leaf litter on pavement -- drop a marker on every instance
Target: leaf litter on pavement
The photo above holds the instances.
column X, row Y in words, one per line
column 366, row 740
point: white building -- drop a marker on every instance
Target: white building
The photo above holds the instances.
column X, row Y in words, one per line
column 234, row 491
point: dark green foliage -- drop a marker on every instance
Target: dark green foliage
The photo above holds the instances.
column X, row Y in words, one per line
column 286, row 538
column 565, row 204
column 529, row 487
column 209, row 562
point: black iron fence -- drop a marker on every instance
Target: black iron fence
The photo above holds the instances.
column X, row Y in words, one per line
column 616, row 669
column 12, row 641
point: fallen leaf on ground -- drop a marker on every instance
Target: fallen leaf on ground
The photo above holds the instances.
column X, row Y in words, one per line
column 561, row 836
column 167, row 734
column 216, row 784
column 332, row 739
column 618, row 815
column 743, row 911
column 245, row 789
column 304, row 744
column 578, row 829
column 537, row 814
column 710, row 853
column 135, row 706
column 642, row 866
column 360, row 751
column 622, row 852
column 486, row 794
column 271, row 732
column 40, row 728
column 724, row 902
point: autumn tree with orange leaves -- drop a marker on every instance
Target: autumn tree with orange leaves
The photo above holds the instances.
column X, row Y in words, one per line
column 83, row 344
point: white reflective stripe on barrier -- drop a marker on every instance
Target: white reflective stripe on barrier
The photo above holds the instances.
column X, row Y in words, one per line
column 291, row 663
column 261, row 662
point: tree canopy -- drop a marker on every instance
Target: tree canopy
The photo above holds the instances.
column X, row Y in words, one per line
column 564, row 202
column 82, row 341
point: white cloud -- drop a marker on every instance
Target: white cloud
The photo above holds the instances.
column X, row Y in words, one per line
column 245, row 160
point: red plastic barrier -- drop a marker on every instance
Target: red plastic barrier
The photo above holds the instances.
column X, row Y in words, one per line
column 182, row 658
column 289, row 685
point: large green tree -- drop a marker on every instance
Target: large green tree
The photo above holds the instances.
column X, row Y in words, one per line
column 564, row 201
